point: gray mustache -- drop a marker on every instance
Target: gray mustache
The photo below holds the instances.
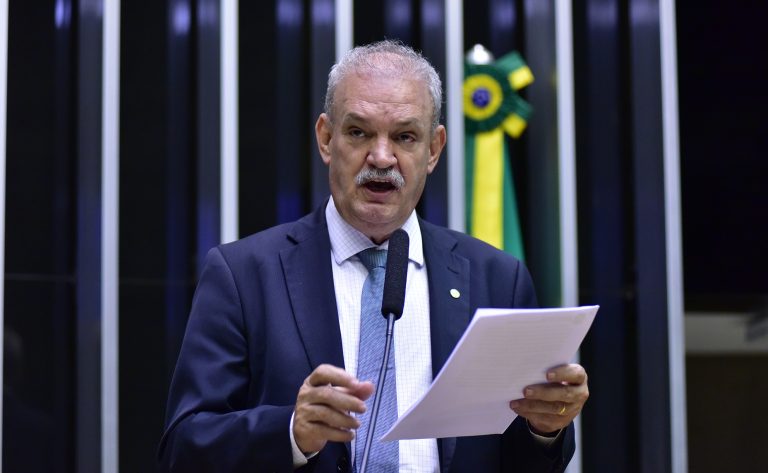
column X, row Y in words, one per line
column 390, row 175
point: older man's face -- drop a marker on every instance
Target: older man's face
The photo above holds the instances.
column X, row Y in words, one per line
column 379, row 123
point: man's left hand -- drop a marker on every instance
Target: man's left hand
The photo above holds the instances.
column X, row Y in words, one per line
column 552, row 406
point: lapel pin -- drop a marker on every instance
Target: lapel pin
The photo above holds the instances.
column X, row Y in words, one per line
column 455, row 293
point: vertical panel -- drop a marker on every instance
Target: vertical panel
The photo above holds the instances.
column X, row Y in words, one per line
column 369, row 21
column 293, row 78
column 39, row 281
column 153, row 222
column 65, row 158
column 3, row 82
column 504, row 26
column 229, row 120
column 322, row 54
column 208, row 127
column 174, row 227
column 64, row 191
column 454, row 40
column 650, row 240
column 344, row 27
column 344, row 40
column 604, row 242
column 398, row 20
column 259, row 56
column 542, row 224
column 434, row 201
column 109, row 235
column 567, row 153
column 89, row 208
column 566, row 129
column 158, row 202
column 673, row 224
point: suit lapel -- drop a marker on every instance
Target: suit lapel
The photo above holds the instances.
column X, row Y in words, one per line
column 448, row 274
column 309, row 278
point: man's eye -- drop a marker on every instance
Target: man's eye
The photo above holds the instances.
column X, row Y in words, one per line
column 356, row 132
column 406, row 137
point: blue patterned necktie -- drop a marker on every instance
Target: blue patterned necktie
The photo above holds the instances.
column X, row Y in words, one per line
column 384, row 456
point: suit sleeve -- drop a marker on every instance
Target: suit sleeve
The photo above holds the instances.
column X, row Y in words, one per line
column 521, row 451
column 524, row 454
column 210, row 427
column 523, row 293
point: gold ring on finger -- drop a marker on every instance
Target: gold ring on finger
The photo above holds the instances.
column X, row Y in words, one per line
column 562, row 410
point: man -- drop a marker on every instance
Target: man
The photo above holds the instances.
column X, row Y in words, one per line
column 266, row 378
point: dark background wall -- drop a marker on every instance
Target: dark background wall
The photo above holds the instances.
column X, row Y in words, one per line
column 723, row 69
column 723, row 98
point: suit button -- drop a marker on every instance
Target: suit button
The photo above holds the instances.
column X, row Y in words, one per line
column 342, row 465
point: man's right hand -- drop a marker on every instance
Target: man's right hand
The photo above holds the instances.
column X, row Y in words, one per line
column 323, row 407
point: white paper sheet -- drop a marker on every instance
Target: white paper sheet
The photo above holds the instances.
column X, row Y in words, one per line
column 501, row 352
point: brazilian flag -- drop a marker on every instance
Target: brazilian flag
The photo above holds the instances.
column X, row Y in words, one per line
column 492, row 108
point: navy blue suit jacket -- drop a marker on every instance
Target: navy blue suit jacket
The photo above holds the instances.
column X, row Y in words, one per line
column 264, row 316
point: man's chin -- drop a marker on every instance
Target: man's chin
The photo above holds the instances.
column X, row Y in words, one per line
column 378, row 219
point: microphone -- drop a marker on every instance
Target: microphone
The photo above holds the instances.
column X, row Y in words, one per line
column 392, row 302
column 397, row 271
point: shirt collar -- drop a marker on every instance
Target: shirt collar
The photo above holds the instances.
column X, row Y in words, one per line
column 347, row 241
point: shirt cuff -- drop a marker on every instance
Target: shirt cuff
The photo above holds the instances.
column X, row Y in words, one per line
column 299, row 459
column 542, row 440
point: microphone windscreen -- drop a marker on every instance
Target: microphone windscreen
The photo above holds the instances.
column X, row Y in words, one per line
column 397, row 271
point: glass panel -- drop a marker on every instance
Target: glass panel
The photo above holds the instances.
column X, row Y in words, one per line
column 38, row 383
column 157, row 214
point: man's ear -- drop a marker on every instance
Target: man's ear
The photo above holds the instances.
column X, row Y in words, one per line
column 436, row 145
column 323, row 133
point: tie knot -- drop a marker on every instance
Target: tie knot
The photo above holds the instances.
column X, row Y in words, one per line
column 373, row 258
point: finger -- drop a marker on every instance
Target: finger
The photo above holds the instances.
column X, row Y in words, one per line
column 329, row 374
column 571, row 374
column 322, row 414
column 362, row 392
column 557, row 392
column 330, row 396
column 527, row 407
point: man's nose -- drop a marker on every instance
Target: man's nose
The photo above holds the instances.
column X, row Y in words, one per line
column 382, row 154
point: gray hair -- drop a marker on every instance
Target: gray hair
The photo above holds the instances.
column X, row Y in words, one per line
column 392, row 58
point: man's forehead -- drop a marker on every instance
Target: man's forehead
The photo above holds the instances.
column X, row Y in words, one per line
column 390, row 79
column 414, row 119
column 359, row 93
